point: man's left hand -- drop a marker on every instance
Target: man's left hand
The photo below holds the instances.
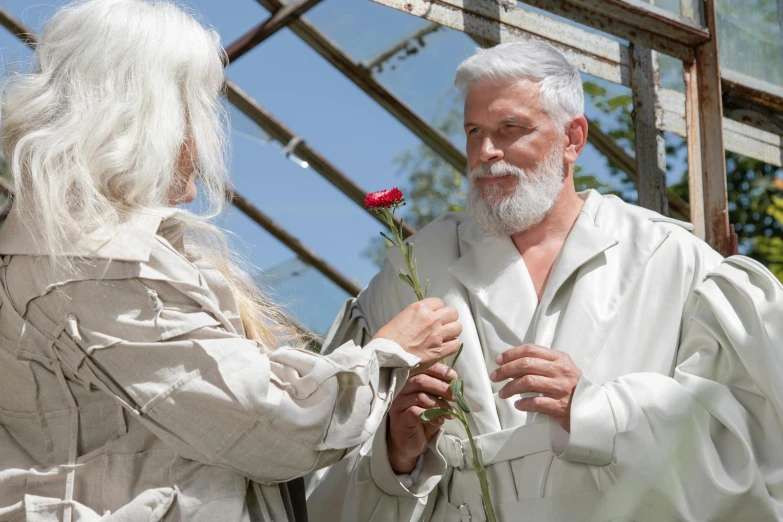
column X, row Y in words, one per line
column 541, row 370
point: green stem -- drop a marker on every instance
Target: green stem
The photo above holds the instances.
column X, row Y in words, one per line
column 398, row 241
column 481, row 471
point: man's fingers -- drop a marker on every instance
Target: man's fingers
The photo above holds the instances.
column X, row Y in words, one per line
column 427, row 384
column 543, row 405
column 534, row 384
column 527, row 350
column 523, row 366
column 441, row 371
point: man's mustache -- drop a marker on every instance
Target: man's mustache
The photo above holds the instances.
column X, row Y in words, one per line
column 495, row 170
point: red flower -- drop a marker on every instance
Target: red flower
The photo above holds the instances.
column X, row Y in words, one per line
column 383, row 199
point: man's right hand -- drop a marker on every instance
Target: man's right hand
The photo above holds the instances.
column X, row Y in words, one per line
column 408, row 435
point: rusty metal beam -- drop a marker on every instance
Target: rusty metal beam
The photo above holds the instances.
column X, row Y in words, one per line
column 693, row 139
column 263, row 119
column 364, row 80
column 591, row 53
column 633, row 20
column 304, row 253
column 282, row 134
column 264, row 30
column 385, row 55
column 713, row 161
column 20, row 30
column 307, row 255
column 741, row 136
column 649, row 143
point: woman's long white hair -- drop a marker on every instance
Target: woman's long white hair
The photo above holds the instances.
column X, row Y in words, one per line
column 95, row 130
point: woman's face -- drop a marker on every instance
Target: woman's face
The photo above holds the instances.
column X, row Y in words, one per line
column 184, row 188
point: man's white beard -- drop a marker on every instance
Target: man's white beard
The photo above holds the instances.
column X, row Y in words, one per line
column 533, row 197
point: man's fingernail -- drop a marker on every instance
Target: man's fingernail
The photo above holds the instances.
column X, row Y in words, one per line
column 451, row 375
column 499, row 359
column 502, row 394
column 494, row 375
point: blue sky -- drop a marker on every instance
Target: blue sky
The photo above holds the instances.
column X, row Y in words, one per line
column 328, row 111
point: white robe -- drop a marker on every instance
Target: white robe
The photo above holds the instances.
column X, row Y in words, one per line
column 678, row 413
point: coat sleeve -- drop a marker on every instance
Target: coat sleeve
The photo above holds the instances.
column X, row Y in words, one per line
column 706, row 443
column 364, row 482
column 272, row 414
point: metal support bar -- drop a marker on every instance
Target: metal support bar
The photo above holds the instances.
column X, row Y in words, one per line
column 267, row 28
column 708, row 86
column 649, row 142
column 693, row 138
column 418, row 35
column 591, row 53
column 282, row 134
column 304, row 253
column 764, row 144
column 633, row 20
column 358, row 75
column 307, row 255
column 20, row 30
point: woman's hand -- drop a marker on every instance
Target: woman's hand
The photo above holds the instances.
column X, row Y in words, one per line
column 426, row 329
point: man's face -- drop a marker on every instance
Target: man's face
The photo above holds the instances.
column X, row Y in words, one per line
column 515, row 156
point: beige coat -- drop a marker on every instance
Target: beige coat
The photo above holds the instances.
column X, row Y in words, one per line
column 128, row 391
column 678, row 415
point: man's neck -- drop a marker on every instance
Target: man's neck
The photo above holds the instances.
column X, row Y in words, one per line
column 540, row 245
column 552, row 231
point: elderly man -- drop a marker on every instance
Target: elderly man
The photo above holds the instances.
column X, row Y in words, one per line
column 617, row 368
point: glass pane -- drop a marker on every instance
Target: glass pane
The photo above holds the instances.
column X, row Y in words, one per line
column 669, row 5
column 751, row 40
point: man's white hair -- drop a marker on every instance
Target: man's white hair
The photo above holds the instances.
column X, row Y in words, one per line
column 562, row 95
column 96, row 128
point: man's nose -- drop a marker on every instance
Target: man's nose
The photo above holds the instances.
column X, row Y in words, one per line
column 489, row 152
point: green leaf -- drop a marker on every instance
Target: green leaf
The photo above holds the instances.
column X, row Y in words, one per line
column 434, row 413
column 390, row 240
column 457, row 390
column 405, row 277
column 427, row 291
column 461, row 346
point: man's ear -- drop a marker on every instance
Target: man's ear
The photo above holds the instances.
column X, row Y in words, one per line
column 575, row 139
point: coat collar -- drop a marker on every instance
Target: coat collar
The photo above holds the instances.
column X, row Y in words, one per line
column 131, row 241
column 493, row 271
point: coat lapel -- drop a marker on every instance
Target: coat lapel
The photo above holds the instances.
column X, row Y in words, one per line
column 495, row 274
column 600, row 273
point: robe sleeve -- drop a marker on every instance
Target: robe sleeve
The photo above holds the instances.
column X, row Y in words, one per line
column 706, row 443
column 271, row 414
column 363, row 487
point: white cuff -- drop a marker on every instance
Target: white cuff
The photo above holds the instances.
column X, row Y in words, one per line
column 391, row 354
column 409, row 479
column 433, row 467
column 593, row 428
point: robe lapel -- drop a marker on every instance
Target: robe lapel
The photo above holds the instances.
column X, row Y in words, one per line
column 495, row 274
column 595, row 276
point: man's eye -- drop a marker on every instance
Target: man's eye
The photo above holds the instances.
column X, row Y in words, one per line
column 472, row 131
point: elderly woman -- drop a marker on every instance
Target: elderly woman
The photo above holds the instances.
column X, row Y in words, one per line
column 140, row 374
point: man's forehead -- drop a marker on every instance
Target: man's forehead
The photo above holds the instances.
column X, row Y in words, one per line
column 503, row 109
column 520, row 96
